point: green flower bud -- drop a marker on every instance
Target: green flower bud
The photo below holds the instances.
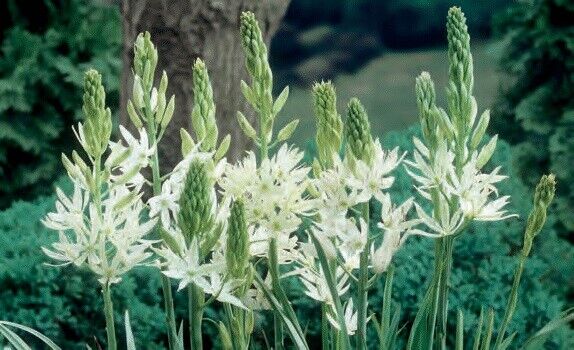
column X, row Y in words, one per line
column 543, row 196
column 462, row 105
column 237, row 253
column 203, row 114
column 145, row 59
column 98, row 118
column 196, row 202
column 358, row 132
column 257, row 65
column 287, row 131
column 329, row 124
column 253, row 44
column 459, row 55
column 426, row 103
column 545, row 190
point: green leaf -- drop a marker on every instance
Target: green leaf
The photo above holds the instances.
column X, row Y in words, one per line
column 34, row 332
column 130, row 342
column 539, row 338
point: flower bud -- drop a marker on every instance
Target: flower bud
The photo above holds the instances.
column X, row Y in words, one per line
column 462, row 106
column 329, row 124
column 203, row 113
column 258, row 68
column 358, row 132
column 545, row 190
column 459, row 55
column 237, row 253
column 98, row 118
column 543, row 196
column 426, row 99
column 287, row 131
column 195, row 217
column 145, row 59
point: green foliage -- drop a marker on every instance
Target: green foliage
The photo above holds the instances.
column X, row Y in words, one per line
column 41, row 76
column 64, row 303
column 484, row 262
column 536, row 113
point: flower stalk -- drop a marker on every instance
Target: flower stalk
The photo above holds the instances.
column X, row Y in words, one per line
column 543, row 196
column 109, row 313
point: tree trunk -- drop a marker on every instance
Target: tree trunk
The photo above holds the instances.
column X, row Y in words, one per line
column 183, row 30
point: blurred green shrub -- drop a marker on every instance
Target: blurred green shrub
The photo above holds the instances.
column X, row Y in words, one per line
column 484, row 260
column 64, row 303
column 44, row 50
column 536, row 113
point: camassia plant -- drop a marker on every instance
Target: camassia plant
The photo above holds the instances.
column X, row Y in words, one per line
column 233, row 234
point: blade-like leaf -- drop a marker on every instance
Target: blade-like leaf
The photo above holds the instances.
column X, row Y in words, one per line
column 130, row 342
column 13, row 338
column 539, row 338
column 34, row 332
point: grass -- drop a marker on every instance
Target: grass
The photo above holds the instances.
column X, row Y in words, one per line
column 385, row 85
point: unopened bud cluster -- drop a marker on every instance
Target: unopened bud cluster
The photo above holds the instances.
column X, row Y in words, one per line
column 98, row 118
column 358, row 132
column 543, row 196
column 329, row 124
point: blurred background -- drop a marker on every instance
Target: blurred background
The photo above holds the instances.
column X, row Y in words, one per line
column 372, row 49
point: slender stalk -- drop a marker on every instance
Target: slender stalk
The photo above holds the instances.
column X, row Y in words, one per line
column 196, row 299
column 362, row 289
column 325, row 334
column 165, row 282
column 278, row 332
column 442, row 290
column 109, row 313
column 512, row 299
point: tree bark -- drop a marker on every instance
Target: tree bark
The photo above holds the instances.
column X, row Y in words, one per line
column 183, row 30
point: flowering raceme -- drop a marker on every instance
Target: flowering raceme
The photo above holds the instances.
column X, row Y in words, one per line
column 234, row 233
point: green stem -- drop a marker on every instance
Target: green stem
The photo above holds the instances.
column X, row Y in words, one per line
column 165, row 282
column 512, row 299
column 109, row 313
column 443, row 265
column 169, row 312
column 363, row 289
column 279, row 293
column 325, row 334
column 278, row 332
column 196, row 302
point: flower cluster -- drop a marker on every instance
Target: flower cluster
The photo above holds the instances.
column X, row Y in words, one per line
column 235, row 232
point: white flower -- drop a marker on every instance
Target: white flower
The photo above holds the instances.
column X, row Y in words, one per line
column 351, row 317
column 130, row 159
column 109, row 240
column 254, row 298
column 166, row 206
column 468, row 188
column 274, row 198
column 316, row 286
column 372, row 180
column 187, row 268
column 223, row 290
column 396, row 229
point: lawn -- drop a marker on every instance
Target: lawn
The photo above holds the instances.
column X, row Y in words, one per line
column 385, row 85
